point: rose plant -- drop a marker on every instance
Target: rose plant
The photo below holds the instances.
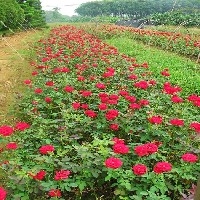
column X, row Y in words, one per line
column 98, row 123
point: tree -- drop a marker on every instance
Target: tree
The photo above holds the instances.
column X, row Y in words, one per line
column 34, row 15
column 10, row 14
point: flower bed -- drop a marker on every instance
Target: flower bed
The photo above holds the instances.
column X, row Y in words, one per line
column 183, row 44
column 97, row 123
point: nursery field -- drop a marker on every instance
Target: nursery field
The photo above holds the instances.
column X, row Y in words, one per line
column 100, row 112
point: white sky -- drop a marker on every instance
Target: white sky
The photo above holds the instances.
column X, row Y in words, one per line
column 67, row 7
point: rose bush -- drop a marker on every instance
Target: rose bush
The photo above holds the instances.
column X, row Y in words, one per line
column 109, row 127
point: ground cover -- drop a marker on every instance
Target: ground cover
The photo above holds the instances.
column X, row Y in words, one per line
column 97, row 123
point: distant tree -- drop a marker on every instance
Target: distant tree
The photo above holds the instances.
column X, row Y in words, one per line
column 10, row 14
column 34, row 15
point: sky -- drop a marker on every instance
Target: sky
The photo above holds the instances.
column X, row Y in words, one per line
column 67, row 7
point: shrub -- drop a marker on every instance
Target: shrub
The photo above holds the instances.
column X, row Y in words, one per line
column 95, row 122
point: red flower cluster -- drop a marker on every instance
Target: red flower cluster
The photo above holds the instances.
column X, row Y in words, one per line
column 62, row 174
column 40, row 175
column 120, row 148
column 161, row 167
column 54, row 193
column 6, row 130
column 142, row 85
column 169, row 89
column 195, row 126
column 22, row 126
column 3, row 193
column 11, row 145
column 155, row 120
column 146, row 149
column 189, row 157
column 113, row 163
column 90, row 113
column 176, row 122
column 139, row 169
column 46, row 149
column 112, row 114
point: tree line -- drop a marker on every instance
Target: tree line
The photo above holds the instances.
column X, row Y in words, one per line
column 21, row 14
column 133, row 8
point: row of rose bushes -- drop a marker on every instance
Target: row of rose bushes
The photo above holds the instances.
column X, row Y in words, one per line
column 96, row 123
column 184, row 44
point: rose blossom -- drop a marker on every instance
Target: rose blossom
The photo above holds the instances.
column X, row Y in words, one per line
column 113, row 163
column 161, row 167
column 189, row 157
column 139, row 169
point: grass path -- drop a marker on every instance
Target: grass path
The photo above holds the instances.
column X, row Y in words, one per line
column 15, row 53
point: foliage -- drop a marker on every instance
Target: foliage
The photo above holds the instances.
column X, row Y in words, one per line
column 178, row 17
column 55, row 16
column 10, row 14
column 92, row 115
column 133, row 9
column 34, row 15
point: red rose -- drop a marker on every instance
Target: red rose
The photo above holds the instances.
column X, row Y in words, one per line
column 112, row 114
column 146, row 149
column 11, row 145
column 68, row 88
column 46, row 149
column 189, row 157
column 102, row 106
column 151, row 148
column 54, row 193
column 131, row 99
column 120, row 148
column 177, row 122
column 49, row 83
column 113, row 163
column 86, row 93
column 40, row 175
column 143, row 102
column 101, row 86
column 22, row 126
column 3, row 194
column 161, row 167
column 27, row 82
column 38, row 91
column 123, row 93
column 139, row 169
column 132, row 77
column 165, row 72
column 48, row 99
column 76, row 105
column 155, row 120
column 193, row 125
column 169, row 89
column 135, row 106
column 81, row 78
column 141, row 150
column 6, row 130
column 193, row 97
column 142, row 85
column 34, row 73
column 84, row 106
column 90, row 113
column 176, row 99
column 114, row 127
column 62, row 174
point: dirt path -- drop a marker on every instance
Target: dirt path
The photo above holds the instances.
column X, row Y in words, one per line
column 14, row 69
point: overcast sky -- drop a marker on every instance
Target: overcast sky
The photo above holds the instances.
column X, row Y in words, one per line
column 67, row 6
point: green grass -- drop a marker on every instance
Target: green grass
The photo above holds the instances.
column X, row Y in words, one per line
column 184, row 72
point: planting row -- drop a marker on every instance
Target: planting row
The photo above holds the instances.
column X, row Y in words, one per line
column 96, row 123
column 186, row 45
